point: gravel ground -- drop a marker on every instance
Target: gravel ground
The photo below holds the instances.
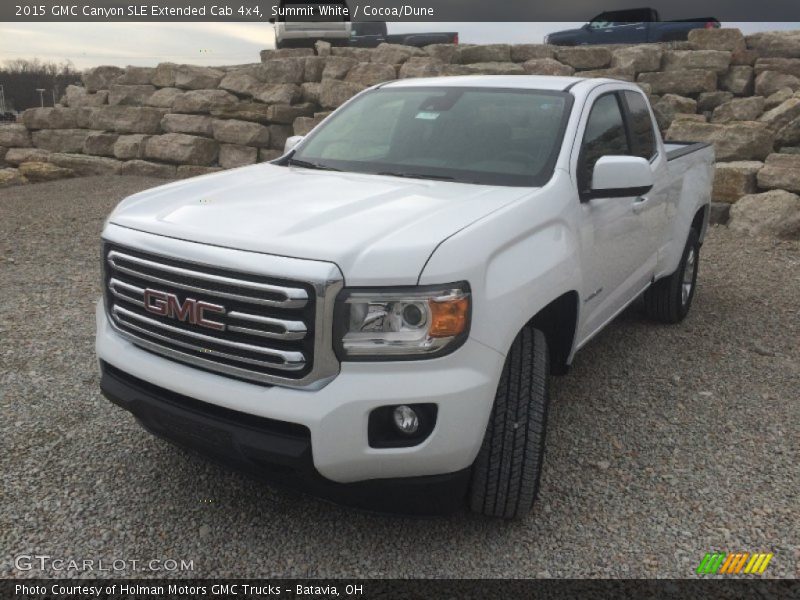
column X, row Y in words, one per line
column 665, row 442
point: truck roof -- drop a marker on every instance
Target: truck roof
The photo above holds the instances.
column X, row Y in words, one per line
column 525, row 82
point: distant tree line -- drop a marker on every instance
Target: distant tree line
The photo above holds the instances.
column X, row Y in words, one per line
column 21, row 78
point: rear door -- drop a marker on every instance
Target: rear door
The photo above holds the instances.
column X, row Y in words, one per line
column 615, row 245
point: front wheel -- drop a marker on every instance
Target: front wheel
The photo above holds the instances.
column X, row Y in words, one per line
column 505, row 475
column 668, row 300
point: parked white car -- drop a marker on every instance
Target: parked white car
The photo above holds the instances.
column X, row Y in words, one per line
column 381, row 308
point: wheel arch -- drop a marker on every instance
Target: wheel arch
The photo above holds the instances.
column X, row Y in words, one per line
column 558, row 321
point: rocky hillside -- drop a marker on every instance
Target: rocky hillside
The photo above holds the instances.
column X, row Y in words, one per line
column 741, row 93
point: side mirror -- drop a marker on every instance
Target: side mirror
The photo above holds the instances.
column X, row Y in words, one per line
column 621, row 176
column 291, row 142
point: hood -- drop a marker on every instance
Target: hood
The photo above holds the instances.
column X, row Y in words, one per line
column 378, row 229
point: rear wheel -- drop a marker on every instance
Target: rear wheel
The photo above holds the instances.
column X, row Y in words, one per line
column 505, row 475
column 668, row 300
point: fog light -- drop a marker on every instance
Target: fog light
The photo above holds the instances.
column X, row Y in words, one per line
column 406, row 420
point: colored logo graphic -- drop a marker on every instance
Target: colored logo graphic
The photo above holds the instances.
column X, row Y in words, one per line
column 720, row 563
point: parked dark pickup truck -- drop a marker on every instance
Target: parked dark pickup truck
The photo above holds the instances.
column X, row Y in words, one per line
column 635, row 26
column 371, row 33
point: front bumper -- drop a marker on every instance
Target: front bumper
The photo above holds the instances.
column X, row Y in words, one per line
column 462, row 385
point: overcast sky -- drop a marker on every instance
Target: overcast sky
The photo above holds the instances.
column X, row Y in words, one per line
column 146, row 44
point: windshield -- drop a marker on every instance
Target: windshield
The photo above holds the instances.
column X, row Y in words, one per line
column 473, row 135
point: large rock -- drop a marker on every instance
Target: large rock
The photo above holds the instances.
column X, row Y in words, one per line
column 9, row 177
column 233, row 155
column 14, row 135
column 127, row 119
column 524, row 52
column 50, row 118
column 337, row 67
column 17, row 156
column 136, row 76
column 773, row 214
column 485, row 53
column 732, row 180
column 769, row 82
column 192, row 124
column 789, row 135
column 778, row 98
column 100, row 143
column 303, row 125
column 790, row 66
column 685, row 83
column 285, row 114
column 130, row 95
column 285, row 53
column 130, row 146
column 3, row 151
column 546, row 66
column 781, row 171
column 182, row 149
column 310, row 92
column 185, row 171
column 82, row 164
column 782, row 115
column 740, row 109
column 359, row 54
column 641, row 58
column 495, row 68
column 620, row 73
column 313, row 67
column 278, row 134
column 584, row 57
column 100, row 78
column 244, row 111
column 145, row 168
column 203, row 101
column 738, row 80
column 708, row 101
column 421, row 66
column 37, row 172
column 60, row 140
column 283, row 70
column 241, row 132
column 267, row 154
column 743, row 140
column 240, row 83
column 717, row 39
column 368, row 74
column 164, row 97
column 712, row 60
column 394, row 54
column 322, row 48
column 333, row 93
column 76, row 96
column 444, row 52
column 164, row 75
column 190, row 77
column 278, row 93
column 783, row 44
column 669, row 106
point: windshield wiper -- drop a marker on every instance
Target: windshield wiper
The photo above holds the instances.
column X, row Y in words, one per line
column 295, row 162
column 417, row 175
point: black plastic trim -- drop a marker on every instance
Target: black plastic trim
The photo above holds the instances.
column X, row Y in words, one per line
column 688, row 149
column 277, row 451
column 617, row 192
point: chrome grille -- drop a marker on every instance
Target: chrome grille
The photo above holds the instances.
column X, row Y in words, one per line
column 261, row 329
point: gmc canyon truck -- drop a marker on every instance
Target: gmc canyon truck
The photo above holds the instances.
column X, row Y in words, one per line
column 375, row 316
column 635, row 26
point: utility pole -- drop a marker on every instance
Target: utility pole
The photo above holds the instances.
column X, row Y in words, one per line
column 41, row 95
column 2, row 100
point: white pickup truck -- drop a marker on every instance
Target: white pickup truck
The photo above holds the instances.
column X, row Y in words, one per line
column 375, row 315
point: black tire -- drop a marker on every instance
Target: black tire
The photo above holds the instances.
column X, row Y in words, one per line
column 667, row 300
column 505, row 475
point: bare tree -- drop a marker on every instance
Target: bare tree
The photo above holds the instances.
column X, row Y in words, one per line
column 21, row 77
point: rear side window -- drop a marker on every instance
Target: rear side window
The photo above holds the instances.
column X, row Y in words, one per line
column 643, row 138
column 604, row 136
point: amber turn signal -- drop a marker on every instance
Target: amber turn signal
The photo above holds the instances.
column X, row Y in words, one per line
column 448, row 317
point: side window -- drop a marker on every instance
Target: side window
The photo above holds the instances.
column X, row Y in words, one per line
column 643, row 138
column 604, row 136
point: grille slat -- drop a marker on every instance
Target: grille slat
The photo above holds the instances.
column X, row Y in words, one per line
column 254, row 327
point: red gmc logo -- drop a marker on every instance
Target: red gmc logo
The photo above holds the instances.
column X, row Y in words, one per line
column 190, row 310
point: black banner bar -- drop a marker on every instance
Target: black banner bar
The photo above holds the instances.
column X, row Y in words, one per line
column 394, row 10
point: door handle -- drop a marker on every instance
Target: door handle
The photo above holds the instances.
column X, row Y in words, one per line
column 640, row 203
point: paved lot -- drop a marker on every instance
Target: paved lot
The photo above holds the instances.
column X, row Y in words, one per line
column 664, row 442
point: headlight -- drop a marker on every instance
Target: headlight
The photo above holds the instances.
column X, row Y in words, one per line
column 402, row 323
